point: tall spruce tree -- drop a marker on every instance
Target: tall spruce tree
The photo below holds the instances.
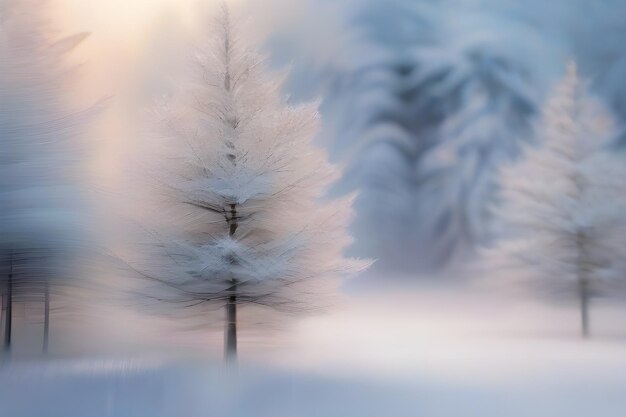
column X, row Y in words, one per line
column 238, row 193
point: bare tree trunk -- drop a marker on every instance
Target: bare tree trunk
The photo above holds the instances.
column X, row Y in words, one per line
column 584, row 308
column 2, row 316
column 46, row 318
column 230, row 331
column 9, row 310
column 584, row 292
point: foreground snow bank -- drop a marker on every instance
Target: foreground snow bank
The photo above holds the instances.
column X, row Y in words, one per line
column 153, row 388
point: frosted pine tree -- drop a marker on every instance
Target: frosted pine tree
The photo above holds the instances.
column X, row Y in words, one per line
column 241, row 216
column 40, row 201
column 561, row 217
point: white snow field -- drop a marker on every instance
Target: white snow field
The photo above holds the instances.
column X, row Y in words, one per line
column 417, row 356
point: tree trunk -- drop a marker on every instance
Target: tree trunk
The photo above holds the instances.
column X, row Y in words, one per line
column 230, row 328
column 9, row 310
column 2, row 316
column 46, row 318
column 584, row 291
column 230, row 331
column 584, row 308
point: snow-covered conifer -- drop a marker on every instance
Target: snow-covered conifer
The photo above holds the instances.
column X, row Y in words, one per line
column 425, row 101
column 561, row 218
column 238, row 193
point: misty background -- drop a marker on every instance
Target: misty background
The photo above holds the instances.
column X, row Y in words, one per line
column 421, row 102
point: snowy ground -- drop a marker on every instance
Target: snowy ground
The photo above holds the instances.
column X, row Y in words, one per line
column 418, row 356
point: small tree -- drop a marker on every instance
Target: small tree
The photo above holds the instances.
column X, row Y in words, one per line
column 240, row 213
column 39, row 196
column 562, row 216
